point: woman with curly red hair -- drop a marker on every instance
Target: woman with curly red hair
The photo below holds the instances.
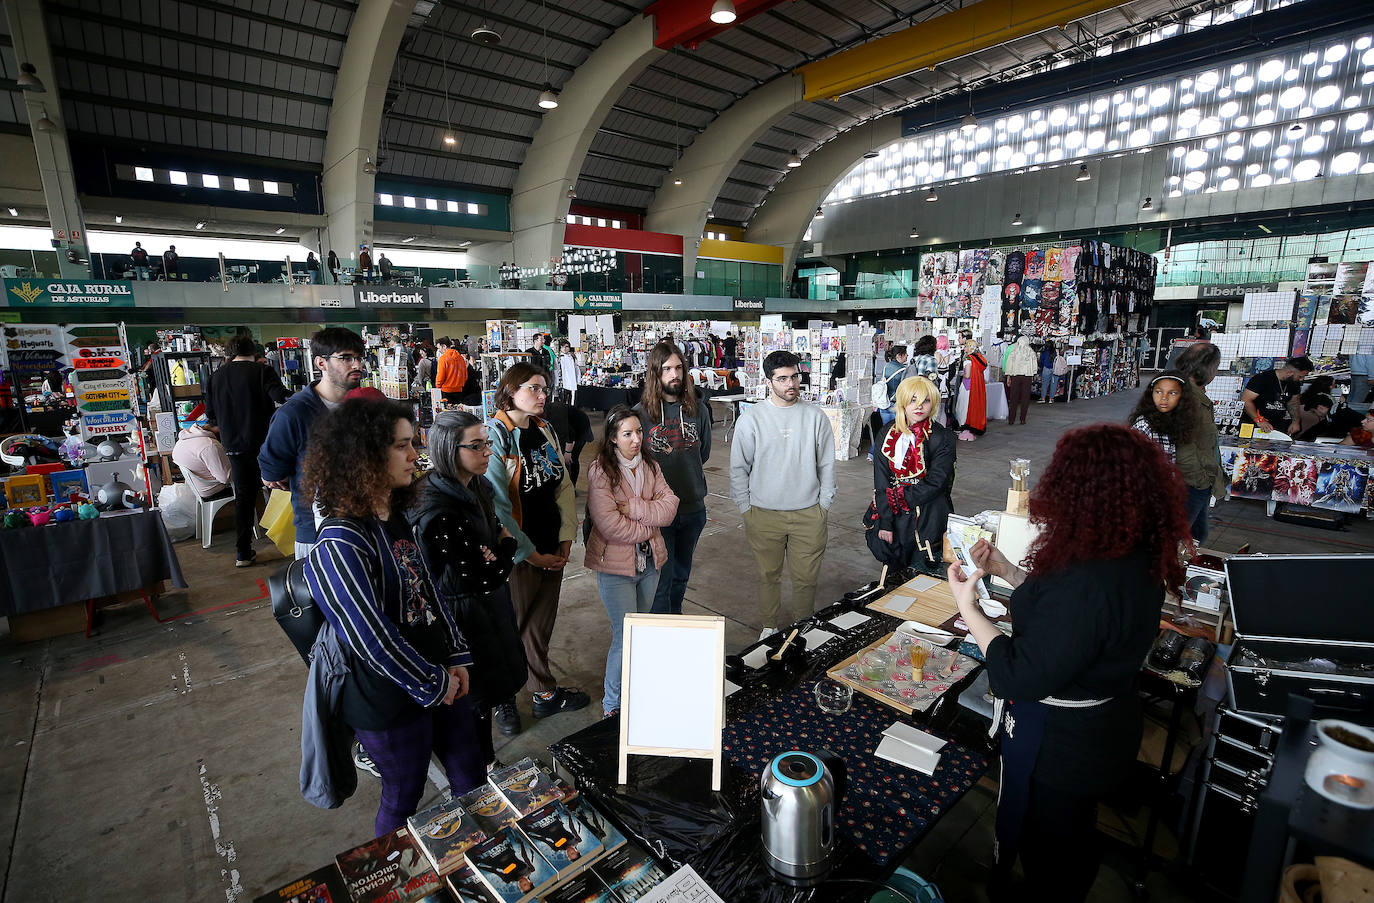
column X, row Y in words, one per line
column 1112, row 526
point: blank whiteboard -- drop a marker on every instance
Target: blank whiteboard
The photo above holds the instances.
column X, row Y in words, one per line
column 1015, row 533
column 672, row 700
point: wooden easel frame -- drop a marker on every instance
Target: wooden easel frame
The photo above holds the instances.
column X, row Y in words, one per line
column 708, row 676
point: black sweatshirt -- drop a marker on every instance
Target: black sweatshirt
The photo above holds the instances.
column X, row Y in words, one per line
column 1082, row 633
column 241, row 398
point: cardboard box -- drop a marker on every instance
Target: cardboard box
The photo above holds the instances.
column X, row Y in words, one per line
column 32, row 626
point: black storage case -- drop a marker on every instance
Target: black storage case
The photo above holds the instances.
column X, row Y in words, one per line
column 1291, row 608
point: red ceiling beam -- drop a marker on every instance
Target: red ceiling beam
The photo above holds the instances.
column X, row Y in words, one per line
column 687, row 23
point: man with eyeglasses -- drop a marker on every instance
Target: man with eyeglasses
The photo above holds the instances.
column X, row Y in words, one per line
column 338, row 355
column 782, row 478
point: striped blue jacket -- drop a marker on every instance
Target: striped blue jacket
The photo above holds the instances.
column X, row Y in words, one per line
column 357, row 582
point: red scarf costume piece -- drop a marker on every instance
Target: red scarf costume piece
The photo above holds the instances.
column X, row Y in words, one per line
column 910, row 469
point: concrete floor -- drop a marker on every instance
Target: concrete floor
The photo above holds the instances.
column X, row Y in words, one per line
column 158, row 761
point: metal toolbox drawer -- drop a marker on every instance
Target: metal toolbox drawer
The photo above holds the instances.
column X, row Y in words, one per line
column 1254, row 731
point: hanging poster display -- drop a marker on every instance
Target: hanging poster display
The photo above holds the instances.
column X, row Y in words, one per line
column 104, row 391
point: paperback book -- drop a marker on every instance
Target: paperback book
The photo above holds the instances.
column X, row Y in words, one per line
column 586, row 887
column 324, row 885
column 388, row 869
column 526, row 786
column 564, row 842
column 488, row 809
column 510, row 866
column 466, row 887
column 445, row 833
column 630, row 872
column 596, row 822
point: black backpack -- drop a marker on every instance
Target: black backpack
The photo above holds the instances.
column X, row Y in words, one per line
column 294, row 607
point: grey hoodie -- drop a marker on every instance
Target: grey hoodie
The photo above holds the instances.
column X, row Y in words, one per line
column 782, row 459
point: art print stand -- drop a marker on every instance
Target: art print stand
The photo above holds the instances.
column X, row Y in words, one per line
column 672, row 698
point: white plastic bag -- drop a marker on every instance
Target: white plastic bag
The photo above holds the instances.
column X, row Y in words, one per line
column 177, row 502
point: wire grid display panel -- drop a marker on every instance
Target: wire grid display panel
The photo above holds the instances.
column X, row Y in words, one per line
column 1265, row 343
column 1268, row 307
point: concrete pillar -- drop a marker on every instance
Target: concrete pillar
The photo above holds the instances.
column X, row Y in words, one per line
column 355, row 120
column 65, row 218
column 539, row 199
column 783, row 217
column 708, row 162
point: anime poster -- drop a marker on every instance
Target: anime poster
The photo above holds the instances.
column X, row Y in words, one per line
column 997, row 265
column 966, row 262
column 1366, row 313
column 1345, row 309
column 1301, row 337
column 1295, row 481
column 1341, row 485
column 1068, row 303
column 1030, row 293
column 1323, row 308
column 1306, row 312
column 1350, row 278
column 1229, row 456
column 1035, row 264
column 1254, row 475
column 1053, row 257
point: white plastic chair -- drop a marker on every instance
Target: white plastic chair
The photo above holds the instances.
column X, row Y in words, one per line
column 206, row 509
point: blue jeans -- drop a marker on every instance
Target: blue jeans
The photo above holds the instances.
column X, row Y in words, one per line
column 681, row 539
column 1049, row 383
column 622, row 595
column 1359, row 388
column 1199, row 501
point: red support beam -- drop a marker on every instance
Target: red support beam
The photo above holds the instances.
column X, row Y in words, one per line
column 687, row 23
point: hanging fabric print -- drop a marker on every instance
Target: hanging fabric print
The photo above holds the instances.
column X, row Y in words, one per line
column 1341, row 486
column 1035, row 264
column 1030, row 293
column 1052, row 259
column 1295, row 481
column 1254, row 477
column 997, row 264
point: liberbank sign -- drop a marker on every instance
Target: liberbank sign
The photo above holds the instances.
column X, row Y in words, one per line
column 75, row 293
column 416, row 297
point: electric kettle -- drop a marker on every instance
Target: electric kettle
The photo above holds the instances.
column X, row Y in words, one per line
column 800, row 801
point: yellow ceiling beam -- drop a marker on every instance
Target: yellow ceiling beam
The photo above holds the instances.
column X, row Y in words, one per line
column 940, row 40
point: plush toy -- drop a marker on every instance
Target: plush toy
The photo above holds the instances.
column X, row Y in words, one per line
column 63, row 513
column 16, row 518
column 39, row 517
column 88, row 511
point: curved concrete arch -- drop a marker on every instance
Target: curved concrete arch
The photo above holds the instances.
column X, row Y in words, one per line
column 539, row 199
column 355, row 120
column 709, row 160
column 784, row 215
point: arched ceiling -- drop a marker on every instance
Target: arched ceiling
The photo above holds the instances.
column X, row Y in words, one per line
column 254, row 78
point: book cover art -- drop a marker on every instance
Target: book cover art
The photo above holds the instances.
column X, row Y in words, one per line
column 324, row 885
column 597, row 822
column 526, row 786
column 488, row 808
column 466, row 887
column 444, row 833
column 510, row 866
column 630, row 872
column 388, row 869
column 586, row 887
column 564, row 842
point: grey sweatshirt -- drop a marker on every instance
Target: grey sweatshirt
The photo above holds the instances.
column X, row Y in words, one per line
column 782, row 459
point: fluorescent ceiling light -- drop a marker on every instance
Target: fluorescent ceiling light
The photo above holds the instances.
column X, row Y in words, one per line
column 177, row 177
column 794, row 159
column 1016, row 220
column 242, row 184
column 200, row 224
column 281, row 229
column 820, row 213
column 1083, row 174
column 209, row 181
column 143, row 174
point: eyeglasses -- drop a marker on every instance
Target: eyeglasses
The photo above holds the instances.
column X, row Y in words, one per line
column 534, row 389
column 346, row 358
column 482, row 446
column 794, row 378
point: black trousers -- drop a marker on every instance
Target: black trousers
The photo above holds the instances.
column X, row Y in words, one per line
column 247, row 479
column 1059, row 853
column 484, row 739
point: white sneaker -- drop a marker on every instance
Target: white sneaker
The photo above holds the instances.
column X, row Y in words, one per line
column 767, row 632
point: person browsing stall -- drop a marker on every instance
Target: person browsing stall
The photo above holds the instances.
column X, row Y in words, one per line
column 677, row 427
column 1165, row 412
column 1198, row 451
column 202, row 460
column 1362, row 434
column 1085, row 611
column 913, row 473
column 455, row 522
column 338, row 356
column 407, row 679
column 782, row 479
column 534, row 499
column 1267, row 394
column 451, row 371
column 628, row 501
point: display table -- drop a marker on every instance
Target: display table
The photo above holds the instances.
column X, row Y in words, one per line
column 997, row 402
column 1311, row 474
column 668, row 807
column 43, row 567
column 603, row 398
column 730, row 406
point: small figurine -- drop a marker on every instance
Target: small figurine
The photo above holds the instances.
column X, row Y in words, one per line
column 63, row 513
column 88, row 511
column 39, row 517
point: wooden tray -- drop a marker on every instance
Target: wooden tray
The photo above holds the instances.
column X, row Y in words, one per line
column 933, row 606
column 836, row 674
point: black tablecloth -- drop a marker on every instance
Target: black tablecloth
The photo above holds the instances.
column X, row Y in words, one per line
column 668, row 805
column 44, row 567
column 603, row 398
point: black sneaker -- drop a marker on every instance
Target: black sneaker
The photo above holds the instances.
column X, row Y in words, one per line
column 363, row 761
column 247, row 562
column 564, row 699
column 507, row 718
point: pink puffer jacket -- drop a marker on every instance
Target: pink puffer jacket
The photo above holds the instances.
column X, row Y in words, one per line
column 611, row 546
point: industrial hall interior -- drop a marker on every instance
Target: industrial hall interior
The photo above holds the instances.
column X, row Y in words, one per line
column 641, row 451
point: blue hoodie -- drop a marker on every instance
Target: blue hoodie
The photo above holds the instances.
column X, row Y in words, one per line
column 283, row 453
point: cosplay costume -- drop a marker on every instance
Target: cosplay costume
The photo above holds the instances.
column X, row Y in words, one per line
column 913, row 474
column 976, row 417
